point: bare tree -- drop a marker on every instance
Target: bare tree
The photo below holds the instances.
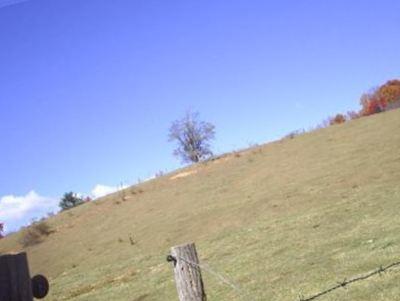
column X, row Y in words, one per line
column 193, row 137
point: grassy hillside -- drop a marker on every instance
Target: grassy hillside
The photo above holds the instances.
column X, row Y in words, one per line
column 287, row 218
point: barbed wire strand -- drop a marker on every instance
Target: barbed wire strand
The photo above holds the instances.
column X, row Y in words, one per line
column 244, row 295
column 346, row 282
column 342, row 284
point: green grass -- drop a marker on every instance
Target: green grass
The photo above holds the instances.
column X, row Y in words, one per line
column 286, row 218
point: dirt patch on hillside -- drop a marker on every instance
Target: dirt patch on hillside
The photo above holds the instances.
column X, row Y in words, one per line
column 184, row 174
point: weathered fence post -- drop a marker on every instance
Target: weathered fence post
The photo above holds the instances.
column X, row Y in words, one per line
column 15, row 281
column 189, row 283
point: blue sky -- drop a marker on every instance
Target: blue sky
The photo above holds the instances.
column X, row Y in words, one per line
column 89, row 88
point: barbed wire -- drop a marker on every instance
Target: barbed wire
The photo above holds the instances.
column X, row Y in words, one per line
column 244, row 295
column 346, row 282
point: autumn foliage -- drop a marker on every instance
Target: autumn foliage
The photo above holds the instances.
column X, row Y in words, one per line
column 390, row 91
column 381, row 99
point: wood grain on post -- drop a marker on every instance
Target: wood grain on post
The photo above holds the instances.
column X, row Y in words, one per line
column 15, row 281
column 189, row 283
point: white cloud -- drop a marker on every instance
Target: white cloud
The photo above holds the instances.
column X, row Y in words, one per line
column 102, row 190
column 150, row 178
column 17, row 211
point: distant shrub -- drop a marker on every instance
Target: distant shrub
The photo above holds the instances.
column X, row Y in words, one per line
column 70, row 200
column 350, row 115
column 293, row 134
column 35, row 234
column 338, row 119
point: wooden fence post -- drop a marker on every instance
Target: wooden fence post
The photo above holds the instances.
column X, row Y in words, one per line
column 15, row 281
column 189, row 283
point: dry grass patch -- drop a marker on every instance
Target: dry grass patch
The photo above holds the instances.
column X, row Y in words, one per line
column 35, row 234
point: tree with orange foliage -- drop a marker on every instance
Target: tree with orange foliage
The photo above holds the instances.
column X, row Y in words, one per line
column 372, row 104
column 390, row 91
column 381, row 99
